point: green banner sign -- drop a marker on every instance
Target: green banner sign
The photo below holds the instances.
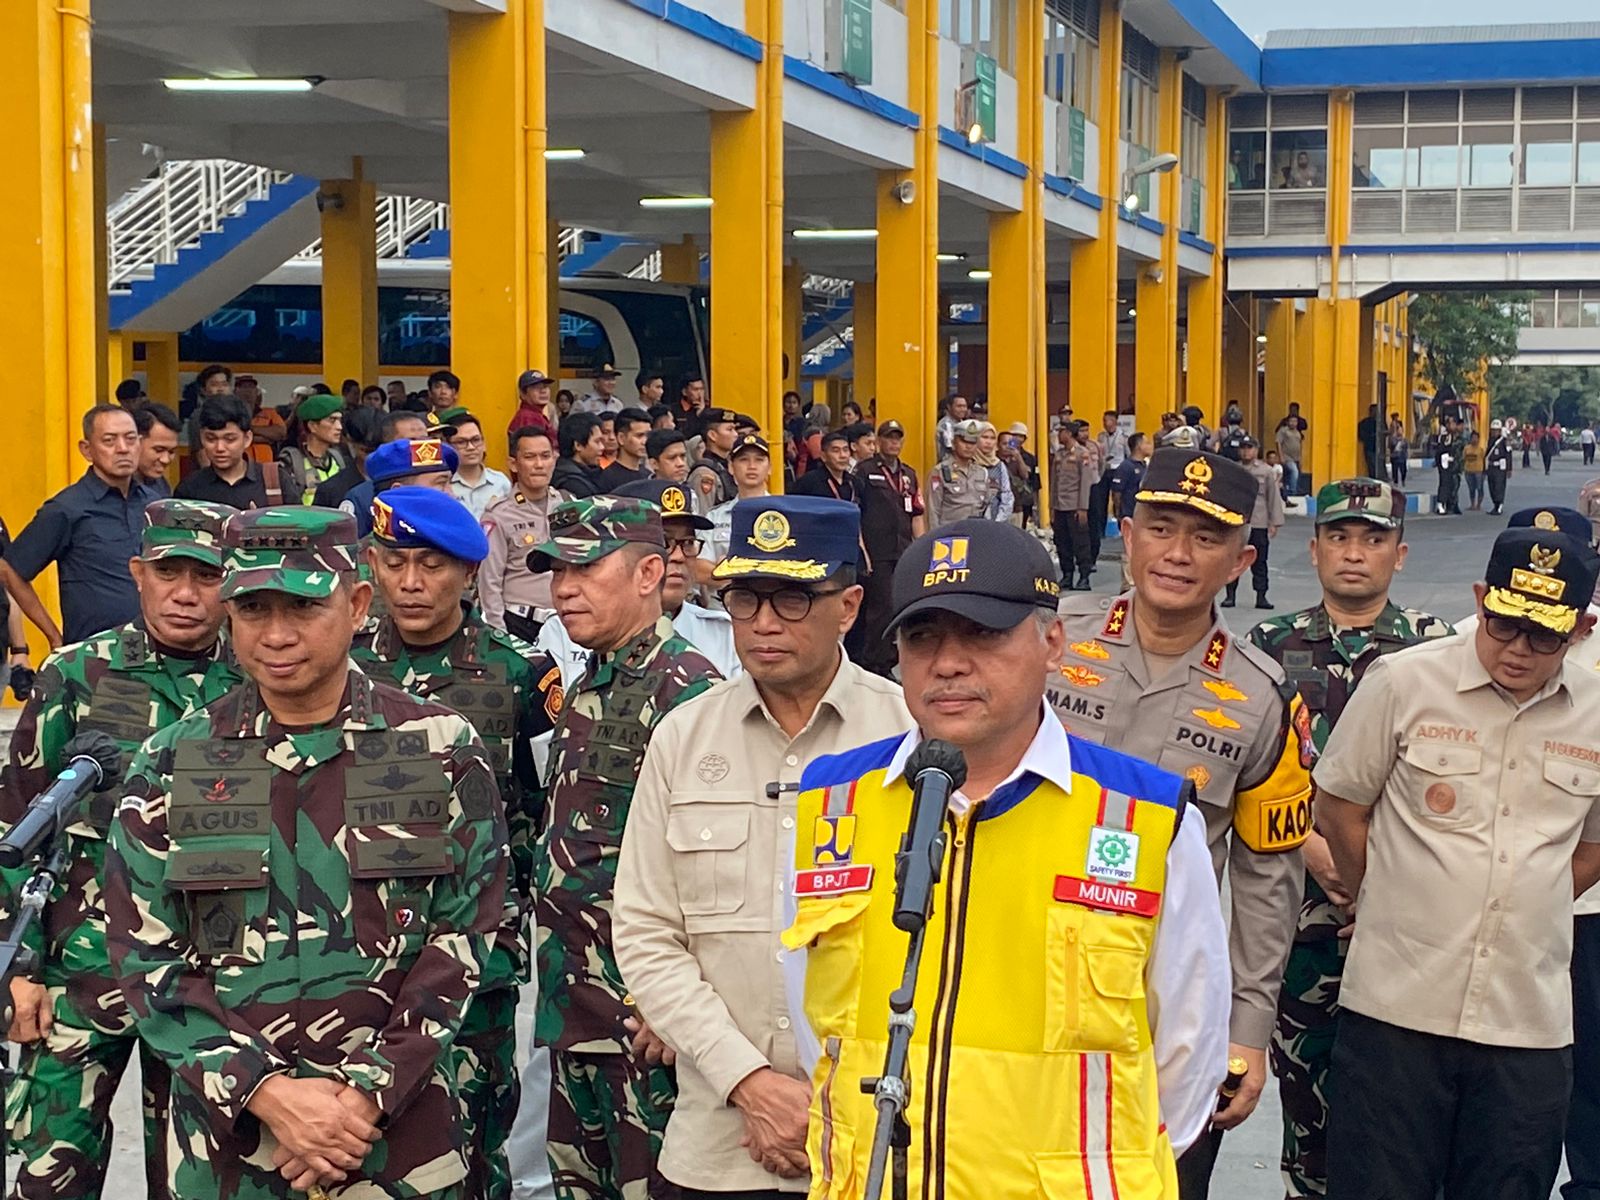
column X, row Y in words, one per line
column 857, row 50
column 1197, row 196
column 1077, row 145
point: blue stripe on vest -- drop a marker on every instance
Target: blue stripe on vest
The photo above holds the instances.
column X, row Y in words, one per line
column 1123, row 773
column 832, row 769
column 1004, row 799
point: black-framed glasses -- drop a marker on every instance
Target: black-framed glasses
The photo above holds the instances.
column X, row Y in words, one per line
column 790, row 603
column 689, row 545
column 1507, row 629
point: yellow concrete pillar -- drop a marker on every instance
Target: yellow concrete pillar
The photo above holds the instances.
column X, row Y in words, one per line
column 1092, row 354
column 1334, row 332
column 47, row 256
column 544, row 308
column 1282, row 359
column 910, row 364
column 794, row 310
column 680, row 261
column 489, row 222
column 106, row 379
column 1208, row 380
column 747, row 238
column 864, row 344
column 1156, row 327
column 350, row 279
column 160, row 367
column 118, row 360
column 1016, row 310
column 1367, row 361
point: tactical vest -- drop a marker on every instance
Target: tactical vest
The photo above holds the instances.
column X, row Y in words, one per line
column 124, row 707
column 396, row 805
column 1032, row 983
column 482, row 693
column 600, row 757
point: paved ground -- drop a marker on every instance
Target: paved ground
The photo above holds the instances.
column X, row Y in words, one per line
column 1447, row 555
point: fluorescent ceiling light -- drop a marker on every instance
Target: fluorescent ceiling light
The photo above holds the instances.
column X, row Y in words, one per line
column 1261, row 339
column 241, row 85
column 675, row 202
column 568, row 154
column 950, row 257
column 980, row 275
column 1132, row 313
column 835, row 235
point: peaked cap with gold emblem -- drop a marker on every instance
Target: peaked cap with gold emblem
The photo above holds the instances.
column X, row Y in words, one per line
column 1542, row 576
column 669, row 497
column 1207, row 483
column 799, row 538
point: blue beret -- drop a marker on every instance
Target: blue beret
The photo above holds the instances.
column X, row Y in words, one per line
column 423, row 518
column 802, row 538
column 395, row 460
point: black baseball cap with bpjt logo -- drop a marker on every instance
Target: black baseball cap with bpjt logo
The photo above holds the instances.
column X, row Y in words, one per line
column 990, row 573
column 669, row 497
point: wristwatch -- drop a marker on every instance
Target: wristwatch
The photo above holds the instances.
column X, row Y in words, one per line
column 19, row 650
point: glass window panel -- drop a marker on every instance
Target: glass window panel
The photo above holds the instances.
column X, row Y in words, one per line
column 1589, row 314
column 1544, row 313
column 1300, row 158
column 1435, row 161
column 1489, row 153
column 1589, row 153
column 1547, row 154
column 1247, row 161
column 1567, row 312
column 1377, row 158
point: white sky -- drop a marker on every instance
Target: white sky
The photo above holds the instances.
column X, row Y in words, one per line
column 1256, row 17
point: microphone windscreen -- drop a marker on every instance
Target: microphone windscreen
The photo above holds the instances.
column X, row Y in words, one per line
column 103, row 748
column 938, row 755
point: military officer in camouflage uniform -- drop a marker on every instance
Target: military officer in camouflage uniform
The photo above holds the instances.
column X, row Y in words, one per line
column 76, row 1030
column 959, row 486
column 608, row 1110
column 1157, row 674
column 424, row 558
column 1324, row 650
column 301, row 889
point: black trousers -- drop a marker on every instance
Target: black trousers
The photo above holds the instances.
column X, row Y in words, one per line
column 1497, row 486
column 1547, row 456
column 1450, row 491
column 1073, row 548
column 871, row 649
column 1410, row 1113
column 1583, row 1119
column 1099, row 505
column 1588, row 453
column 1397, row 471
column 1196, row 1164
column 1258, row 569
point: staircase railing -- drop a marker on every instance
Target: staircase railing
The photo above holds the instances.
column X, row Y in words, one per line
column 172, row 209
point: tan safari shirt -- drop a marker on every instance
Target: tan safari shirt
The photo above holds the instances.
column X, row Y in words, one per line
column 1464, row 920
column 1226, row 720
column 514, row 526
column 699, row 901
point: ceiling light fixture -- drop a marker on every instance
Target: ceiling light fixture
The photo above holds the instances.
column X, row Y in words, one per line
column 835, row 235
column 565, row 154
column 950, row 258
column 1261, row 339
column 246, row 84
column 980, row 275
column 675, row 202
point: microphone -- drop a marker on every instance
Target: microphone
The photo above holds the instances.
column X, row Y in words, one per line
column 94, row 763
column 937, row 770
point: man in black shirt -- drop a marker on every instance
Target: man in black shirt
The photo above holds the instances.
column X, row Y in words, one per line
column 578, row 468
column 891, row 519
column 834, row 480
column 91, row 529
column 632, row 426
column 234, row 477
column 159, row 428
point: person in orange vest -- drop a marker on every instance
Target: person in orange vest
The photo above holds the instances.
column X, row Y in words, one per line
column 1074, row 994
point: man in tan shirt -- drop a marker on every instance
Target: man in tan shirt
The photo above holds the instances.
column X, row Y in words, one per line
column 1072, row 479
column 1460, row 797
column 513, row 597
column 710, row 841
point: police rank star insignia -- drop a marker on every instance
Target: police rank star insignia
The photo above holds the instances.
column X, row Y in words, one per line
column 1216, row 650
column 1116, row 619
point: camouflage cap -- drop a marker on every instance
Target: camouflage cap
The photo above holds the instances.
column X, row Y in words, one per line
column 1361, row 499
column 585, row 531
column 299, row 550
column 184, row 529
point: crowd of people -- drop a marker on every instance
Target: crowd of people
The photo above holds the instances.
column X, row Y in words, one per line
column 405, row 733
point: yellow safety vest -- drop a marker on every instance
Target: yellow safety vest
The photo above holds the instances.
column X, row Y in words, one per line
column 1032, row 1073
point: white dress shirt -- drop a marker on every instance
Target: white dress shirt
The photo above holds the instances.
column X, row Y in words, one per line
column 707, row 631
column 1188, row 982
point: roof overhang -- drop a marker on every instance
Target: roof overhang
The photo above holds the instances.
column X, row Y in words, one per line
column 1220, row 53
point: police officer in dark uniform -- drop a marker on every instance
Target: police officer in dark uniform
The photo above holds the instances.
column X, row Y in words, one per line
column 891, row 519
column 711, row 481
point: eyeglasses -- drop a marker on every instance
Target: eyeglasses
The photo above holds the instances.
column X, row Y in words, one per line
column 689, row 545
column 790, row 603
column 1507, row 629
column 469, row 443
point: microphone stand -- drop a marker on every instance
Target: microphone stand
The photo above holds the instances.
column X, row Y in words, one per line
column 18, row 959
column 891, row 1091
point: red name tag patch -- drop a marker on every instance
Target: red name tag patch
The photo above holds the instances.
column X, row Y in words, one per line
column 1111, row 897
column 833, row 881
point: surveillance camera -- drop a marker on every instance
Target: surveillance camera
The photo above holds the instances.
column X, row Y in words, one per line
column 327, row 201
column 905, row 191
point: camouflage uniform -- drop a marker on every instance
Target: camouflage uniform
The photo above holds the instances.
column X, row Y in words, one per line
column 119, row 682
column 511, row 694
column 314, row 903
column 607, row 1110
column 1325, row 663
